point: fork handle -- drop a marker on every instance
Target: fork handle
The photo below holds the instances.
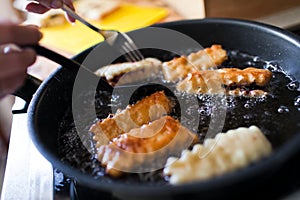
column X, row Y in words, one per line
column 73, row 14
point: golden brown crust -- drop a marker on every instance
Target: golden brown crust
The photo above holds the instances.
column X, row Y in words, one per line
column 205, row 82
column 179, row 68
column 246, row 93
column 148, row 109
column 154, row 141
column 226, row 152
column 250, row 75
column 211, row 81
column 217, row 54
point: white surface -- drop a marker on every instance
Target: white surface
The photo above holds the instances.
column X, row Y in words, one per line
column 28, row 175
column 8, row 13
column 189, row 9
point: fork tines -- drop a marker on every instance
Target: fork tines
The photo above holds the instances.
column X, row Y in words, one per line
column 130, row 50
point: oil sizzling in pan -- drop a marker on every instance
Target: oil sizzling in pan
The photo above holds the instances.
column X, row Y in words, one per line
column 276, row 115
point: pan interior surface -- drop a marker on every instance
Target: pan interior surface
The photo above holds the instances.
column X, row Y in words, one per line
column 51, row 119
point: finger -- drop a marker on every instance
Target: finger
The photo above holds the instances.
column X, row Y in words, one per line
column 71, row 6
column 69, row 3
column 49, row 3
column 28, row 57
column 43, row 7
column 16, row 62
column 12, row 76
column 20, row 35
column 36, row 8
column 33, row 26
column 13, row 72
column 46, row 3
column 11, row 83
column 56, row 4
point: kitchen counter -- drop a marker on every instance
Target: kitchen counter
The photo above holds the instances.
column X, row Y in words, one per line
column 28, row 174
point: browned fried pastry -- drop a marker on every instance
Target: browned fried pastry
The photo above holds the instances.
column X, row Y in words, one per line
column 246, row 93
column 250, row 75
column 146, row 148
column 148, row 109
column 208, row 82
column 211, row 81
column 179, row 68
column 227, row 152
column 129, row 72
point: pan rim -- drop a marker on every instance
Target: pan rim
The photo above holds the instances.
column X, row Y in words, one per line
column 276, row 159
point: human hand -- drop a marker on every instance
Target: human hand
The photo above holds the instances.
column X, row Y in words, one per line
column 42, row 6
column 13, row 65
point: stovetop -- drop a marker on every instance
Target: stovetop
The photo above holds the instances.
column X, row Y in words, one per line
column 282, row 186
column 67, row 188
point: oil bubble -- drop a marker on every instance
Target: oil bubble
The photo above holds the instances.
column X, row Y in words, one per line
column 247, row 105
column 201, row 111
column 297, row 101
column 189, row 111
column 230, row 102
column 250, row 63
column 272, row 67
column 283, row 109
column 262, row 99
column 256, row 59
column 293, row 86
column 267, row 113
column 247, row 117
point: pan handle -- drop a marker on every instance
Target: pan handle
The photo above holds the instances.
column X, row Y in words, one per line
column 31, row 84
column 56, row 57
column 26, row 92
column 65, row 62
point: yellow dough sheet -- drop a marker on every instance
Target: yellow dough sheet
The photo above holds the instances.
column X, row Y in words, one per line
column 74, row 38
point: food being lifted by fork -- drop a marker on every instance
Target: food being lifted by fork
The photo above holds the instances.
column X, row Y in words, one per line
column 148, row 109
column 128, row 72
column 146, row 148
column 173, row 70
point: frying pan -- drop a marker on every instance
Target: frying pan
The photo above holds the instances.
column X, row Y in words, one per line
column 54, row 97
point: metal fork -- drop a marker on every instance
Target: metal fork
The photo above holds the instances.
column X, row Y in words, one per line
column 120, row 41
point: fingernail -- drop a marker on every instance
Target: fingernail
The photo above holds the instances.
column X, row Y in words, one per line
column 33, row 26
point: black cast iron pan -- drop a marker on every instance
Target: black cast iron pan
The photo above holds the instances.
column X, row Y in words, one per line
column 54, row 98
